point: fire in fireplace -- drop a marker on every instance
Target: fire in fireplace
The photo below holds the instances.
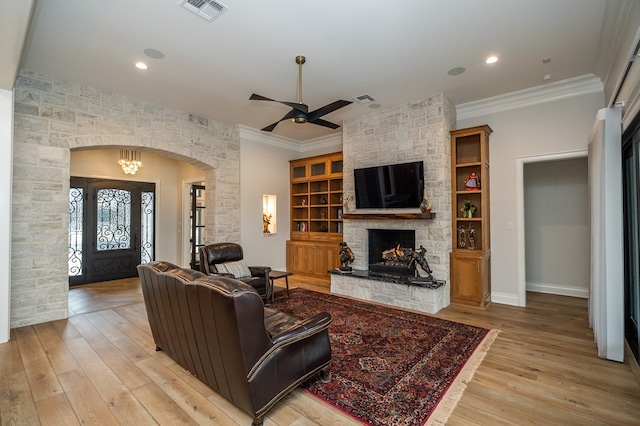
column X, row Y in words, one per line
column 391, row 252
column 387, row 242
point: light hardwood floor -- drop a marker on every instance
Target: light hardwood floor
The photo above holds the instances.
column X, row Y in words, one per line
column 100, row 367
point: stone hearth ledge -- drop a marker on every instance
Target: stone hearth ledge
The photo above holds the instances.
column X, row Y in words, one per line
column 397, row 294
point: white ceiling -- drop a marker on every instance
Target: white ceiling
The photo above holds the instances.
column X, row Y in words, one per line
column 395, row 51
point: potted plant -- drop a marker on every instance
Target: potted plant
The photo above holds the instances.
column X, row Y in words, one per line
column 468, row 209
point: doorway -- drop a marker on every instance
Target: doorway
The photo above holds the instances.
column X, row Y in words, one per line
column 520, row 227
column 557, row 227
column 111, row 229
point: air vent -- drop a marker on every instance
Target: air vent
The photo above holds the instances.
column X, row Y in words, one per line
column 206, row 9
column 363, row 99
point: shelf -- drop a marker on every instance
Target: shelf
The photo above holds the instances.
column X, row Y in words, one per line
column 473, row 164
column 470, row 271
column 389, row 216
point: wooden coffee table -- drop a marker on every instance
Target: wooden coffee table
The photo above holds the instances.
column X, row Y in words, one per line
column 274, row 275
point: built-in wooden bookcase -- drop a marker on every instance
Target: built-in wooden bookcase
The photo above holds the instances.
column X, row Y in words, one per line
column 316, row 214
column 470, row 255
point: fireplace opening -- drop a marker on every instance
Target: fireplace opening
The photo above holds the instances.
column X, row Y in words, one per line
column 390, row 251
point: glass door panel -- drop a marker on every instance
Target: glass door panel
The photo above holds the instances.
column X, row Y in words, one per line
column 197, row 223
column 631, row 174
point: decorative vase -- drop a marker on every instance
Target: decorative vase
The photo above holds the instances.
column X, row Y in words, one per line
column 425, row 204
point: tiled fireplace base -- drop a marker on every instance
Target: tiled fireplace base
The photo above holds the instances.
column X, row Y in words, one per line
column 422, row 299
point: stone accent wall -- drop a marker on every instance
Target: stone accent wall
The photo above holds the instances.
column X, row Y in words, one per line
column 417, row 131
column 52, row 117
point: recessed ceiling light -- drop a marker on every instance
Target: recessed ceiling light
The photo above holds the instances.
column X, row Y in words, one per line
column 374, row 106
column 153, row 53
column 491, row 60
column 141, row 65
column 547, row 77
column 456, row 71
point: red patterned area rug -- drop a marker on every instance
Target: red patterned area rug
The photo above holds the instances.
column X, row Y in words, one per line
column 389, row 366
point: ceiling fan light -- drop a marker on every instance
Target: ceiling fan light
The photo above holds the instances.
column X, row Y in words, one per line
column 299, row 120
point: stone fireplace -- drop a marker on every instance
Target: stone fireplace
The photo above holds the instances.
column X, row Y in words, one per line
column 417, row 131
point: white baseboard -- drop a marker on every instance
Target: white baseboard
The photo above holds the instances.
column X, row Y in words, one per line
column 560, row 290
column 505, row 298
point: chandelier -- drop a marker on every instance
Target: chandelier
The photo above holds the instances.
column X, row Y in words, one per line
column 130, row 161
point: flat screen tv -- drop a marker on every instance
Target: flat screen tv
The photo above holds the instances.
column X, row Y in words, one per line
column 391, row 186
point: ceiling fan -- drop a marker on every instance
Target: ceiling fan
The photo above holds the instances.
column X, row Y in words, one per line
column 300, row 112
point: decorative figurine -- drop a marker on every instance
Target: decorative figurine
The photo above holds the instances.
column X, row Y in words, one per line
column 472, row 182
column 346, row 257
column 472, row 237
column 425, row 204
column 462, row 237
column 345, row 204
column 419, row 256
column 266, row 221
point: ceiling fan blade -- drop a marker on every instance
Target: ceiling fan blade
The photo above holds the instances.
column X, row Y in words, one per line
column 272, row 126
column 324, row 123
column 327, row 109
column 300, row 107
column 256, row 97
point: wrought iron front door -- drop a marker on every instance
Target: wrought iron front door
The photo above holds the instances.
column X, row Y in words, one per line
column 116, row 229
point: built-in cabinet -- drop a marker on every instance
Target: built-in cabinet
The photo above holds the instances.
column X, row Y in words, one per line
column 471, row 253
column 316, row 215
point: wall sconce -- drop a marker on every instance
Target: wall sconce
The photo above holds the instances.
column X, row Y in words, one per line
column 269, row 218
column 130, row 161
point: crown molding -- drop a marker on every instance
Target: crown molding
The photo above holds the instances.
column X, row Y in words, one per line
column 258, row 136
column 324, row 142
column 569, row 88
column 565, row 89
column 255, row 135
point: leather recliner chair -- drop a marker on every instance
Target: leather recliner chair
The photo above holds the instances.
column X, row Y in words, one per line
column 219, row 330
column 220, row 253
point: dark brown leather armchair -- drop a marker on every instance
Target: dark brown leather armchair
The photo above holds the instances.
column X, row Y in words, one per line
column 219, row 330
column 220, row 253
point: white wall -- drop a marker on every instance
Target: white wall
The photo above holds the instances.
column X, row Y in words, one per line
column 552, row 127
column 557, row 228
column 6, row 155
column 264, row 169
column 166, row 173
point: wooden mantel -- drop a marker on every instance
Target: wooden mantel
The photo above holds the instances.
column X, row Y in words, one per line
column 389, row 216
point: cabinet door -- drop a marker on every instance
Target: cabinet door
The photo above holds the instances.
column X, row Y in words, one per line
column 333, row 257
column 335, row 166
column 466, row 278
column 299, row 171
column 297, row 257
column 291, row 256
column 318, row 168
column 318, row 260
column 470, row 283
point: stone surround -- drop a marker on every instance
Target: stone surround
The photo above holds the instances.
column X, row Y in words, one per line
column 417, row 131
column 52, row 117
column 422, row 299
